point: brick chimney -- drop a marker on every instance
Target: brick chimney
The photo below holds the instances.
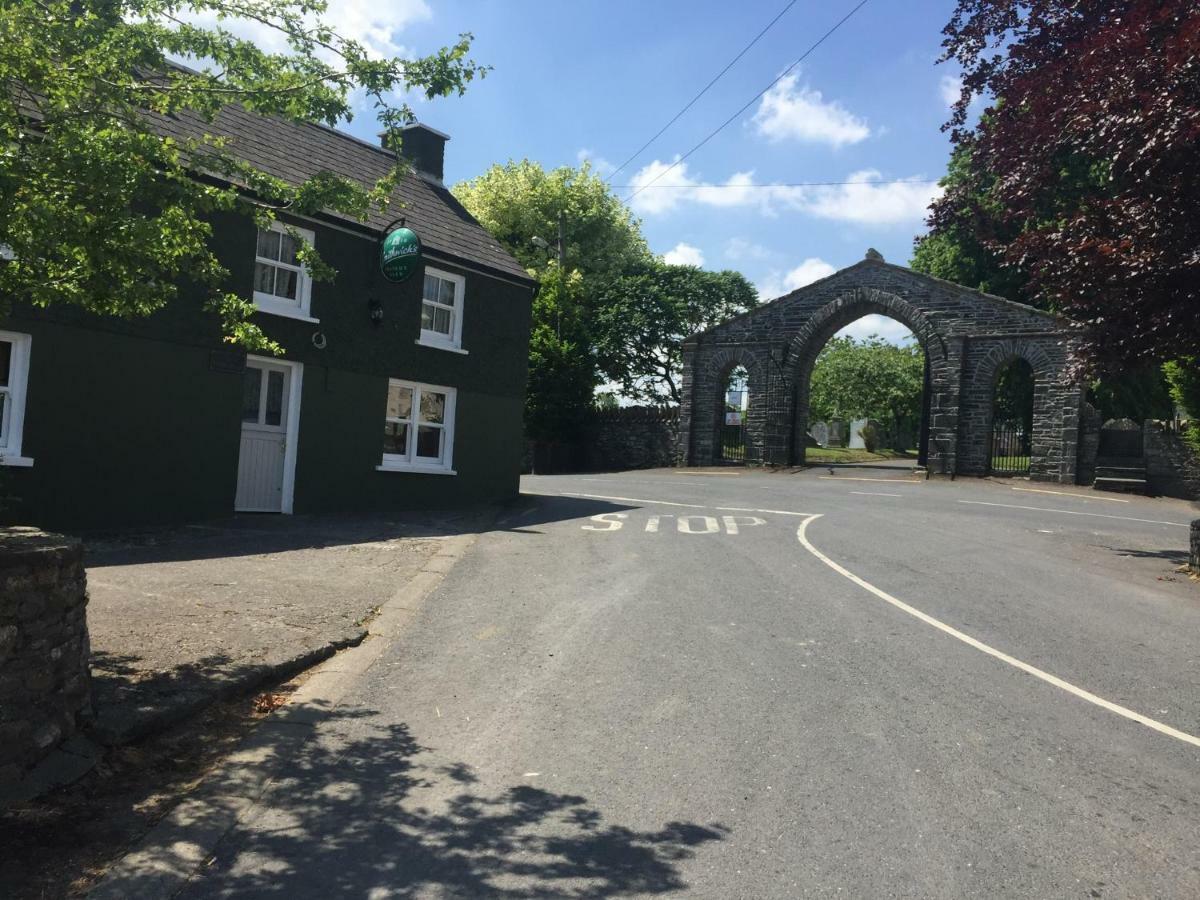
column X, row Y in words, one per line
column 425, row 148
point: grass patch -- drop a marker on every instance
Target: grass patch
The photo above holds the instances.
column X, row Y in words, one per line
column 846, row 455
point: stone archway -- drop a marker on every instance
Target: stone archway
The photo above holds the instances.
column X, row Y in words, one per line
column 966, row 335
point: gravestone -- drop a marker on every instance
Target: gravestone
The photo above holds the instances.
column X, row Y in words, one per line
column 820, row 433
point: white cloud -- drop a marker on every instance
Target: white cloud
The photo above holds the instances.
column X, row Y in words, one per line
column 867, row 201
column 739, row 248
column 889, row 329
column 950, row 87
column 802, row 114
column 600, row 165
column 684, row 255
column 776, row 284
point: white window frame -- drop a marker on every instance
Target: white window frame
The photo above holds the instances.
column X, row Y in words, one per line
column 277, row 306
column 435, row 338
column 13, row 427
column 409, row 461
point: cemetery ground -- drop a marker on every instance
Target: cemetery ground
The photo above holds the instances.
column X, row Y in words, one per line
column 733, row 683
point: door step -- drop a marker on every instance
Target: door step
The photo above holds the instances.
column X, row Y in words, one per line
column 1121, row 485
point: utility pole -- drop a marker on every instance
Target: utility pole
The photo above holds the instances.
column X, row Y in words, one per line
column 562, row 269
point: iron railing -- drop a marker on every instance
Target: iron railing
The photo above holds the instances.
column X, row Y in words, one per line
column 1010, row 450
column 733, row 443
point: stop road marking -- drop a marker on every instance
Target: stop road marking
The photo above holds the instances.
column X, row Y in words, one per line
column 608, row 522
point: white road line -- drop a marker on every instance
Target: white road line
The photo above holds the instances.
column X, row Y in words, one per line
column 875, row 494
column 1075, row 512
column 775, row 512
column 1069, row 494
column 802, row 536
column 855, row 478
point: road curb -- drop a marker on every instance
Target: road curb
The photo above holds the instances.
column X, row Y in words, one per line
column 170, row 853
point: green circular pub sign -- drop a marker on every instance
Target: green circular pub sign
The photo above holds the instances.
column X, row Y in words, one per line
column 400, row 254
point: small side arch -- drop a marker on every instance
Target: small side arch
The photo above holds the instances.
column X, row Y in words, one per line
column 715, row 372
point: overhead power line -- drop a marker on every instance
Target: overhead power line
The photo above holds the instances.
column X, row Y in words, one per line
column 779, row 184
column 712, row 134
column 703, row 91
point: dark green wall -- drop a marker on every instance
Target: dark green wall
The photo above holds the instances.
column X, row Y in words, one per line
column 129, row 422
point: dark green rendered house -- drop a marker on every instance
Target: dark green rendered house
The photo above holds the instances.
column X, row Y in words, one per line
column 388, row 396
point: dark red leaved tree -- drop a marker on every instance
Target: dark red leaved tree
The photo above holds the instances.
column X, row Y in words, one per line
column 1085, row 173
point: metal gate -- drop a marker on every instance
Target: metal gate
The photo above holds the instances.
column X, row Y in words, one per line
column 733, row 438
column 1010, row 450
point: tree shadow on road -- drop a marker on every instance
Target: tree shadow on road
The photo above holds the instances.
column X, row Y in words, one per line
column 370, row 812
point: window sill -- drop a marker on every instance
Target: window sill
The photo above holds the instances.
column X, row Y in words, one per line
column 284, row 312
column 438, row 345
column 22, row 461
column 417, row 469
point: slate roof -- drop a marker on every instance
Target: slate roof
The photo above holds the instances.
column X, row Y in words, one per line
column 295, row 152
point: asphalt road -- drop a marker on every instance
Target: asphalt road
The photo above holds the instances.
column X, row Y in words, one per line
column 663, row 683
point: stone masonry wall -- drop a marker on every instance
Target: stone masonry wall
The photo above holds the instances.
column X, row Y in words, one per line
column 44, row 650
column 633, row 438
column 967, row 336
column 1172, row 466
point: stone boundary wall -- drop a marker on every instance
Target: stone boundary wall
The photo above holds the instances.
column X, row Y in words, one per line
column 1172, row 465
column 631, row 437
column 44, row 649
column 635, row 437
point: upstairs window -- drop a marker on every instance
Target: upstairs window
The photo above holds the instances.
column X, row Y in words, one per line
column 14, row 376
column 282, row 286
column 442, row 309
column 418, row 428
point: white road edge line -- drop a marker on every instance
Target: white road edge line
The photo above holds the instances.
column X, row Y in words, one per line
column 1075, row 512
column 802, row 536
column 859, row 478
column 1069, row 494
column 875, row 494
column 774, row 512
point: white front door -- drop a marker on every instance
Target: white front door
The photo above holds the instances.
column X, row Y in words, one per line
column 265, row 464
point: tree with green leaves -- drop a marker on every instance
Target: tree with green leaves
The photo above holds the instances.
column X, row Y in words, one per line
column 644, row 315
column 524, row 205
column 526, row 208
column 102, row 208
column 869, row 378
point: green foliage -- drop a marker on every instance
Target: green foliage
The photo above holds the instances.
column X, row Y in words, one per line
column 1013, row 400
column 1183, row 380
column 871, row 379
column 519, row 202
column 101, row 206
column 952, row 251
column 562, row 375
column 1139, row 393
column 642, row 317
column 870, row 436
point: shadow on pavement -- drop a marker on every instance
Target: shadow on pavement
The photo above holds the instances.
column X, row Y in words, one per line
column 361, row 811
column 254, row 534
column 183, row 616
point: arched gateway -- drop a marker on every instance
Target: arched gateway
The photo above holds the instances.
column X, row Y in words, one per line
column 968, row 338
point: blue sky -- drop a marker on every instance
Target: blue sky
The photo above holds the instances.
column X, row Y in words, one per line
column 587, row 79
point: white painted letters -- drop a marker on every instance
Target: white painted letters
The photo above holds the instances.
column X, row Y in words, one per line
column 732, row 522
column 611, row 520
column 711, row 525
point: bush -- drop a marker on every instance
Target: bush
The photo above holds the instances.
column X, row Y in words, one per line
column 870, row 435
